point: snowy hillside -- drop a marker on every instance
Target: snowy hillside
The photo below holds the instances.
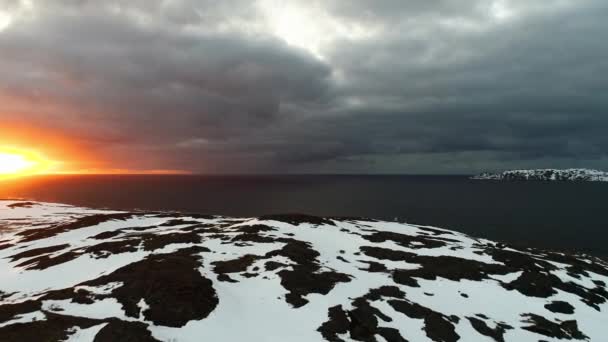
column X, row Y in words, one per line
column 576, row 175
column 75, row 274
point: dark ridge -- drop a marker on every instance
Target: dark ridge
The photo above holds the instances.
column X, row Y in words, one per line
column 362, row 322
column 204, row 229
column 22, row 205
column 170, row 284
column 118, row 330
column 544, row 285
column 84, row 222
column 246, row 237
column 37, row 252
column 4, row 295
column 225, row 278
column 535, row 281
column 373, row 267
column 434, row 231
column 298, row 251
column 576, row 264
column 105, row 249
column 302, row 280
column 363, row 302
column 296, row 219
column 438, row 327
column 9, row 311
column 337, row 324
column 342, row 259
column 236, row 265
column 305, row 277
column 6, row 245
column 80, row 296
column 497, row 333
column 386, row 253
column 405, row 240
column 178, row 222
column 564, row 330
column 353, row 219
column 150, row 242
column 54, row 328
column 273, row 265
column 384, row 291
column 447, row 267
column 560, row 307
column 157, row 241
column 106, row 235
column 255, row 229
column 391, row 335
column 180, row 214
column 43, row 262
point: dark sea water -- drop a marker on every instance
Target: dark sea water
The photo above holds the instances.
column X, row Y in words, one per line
column 569, row 216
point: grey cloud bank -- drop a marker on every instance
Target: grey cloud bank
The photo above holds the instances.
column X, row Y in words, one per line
column 313, row 86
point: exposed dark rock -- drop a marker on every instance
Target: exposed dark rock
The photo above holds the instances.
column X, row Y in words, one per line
column 157, row 241
column 374, row 267
column 273, row 265
column 342, row 259
column 22, row 205
column 6, row 245
column 169, row 283
column 225, row 278
column 337, row 324
column 122, row 331
column 560, row 307
column 46, row 261
column 438, row 327
column 106, row 235
column 38, row 251
column 87, row 221
column 178, row 222
column 296, row 219
column 105, row 249
column 256, row 228
column 561, row 330
column 54, row 328
column 496, row 333
column 362, row 322
column 409, row 241
column 302, row 280
column 234, row 266
column 9, row 311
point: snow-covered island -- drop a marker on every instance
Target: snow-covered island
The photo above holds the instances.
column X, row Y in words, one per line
column 572, row 175
column 78, row 274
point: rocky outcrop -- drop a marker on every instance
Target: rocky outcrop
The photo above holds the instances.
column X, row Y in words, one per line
column 78, row 274
column 568, row 175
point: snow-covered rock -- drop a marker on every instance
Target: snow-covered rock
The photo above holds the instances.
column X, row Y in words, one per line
column 575, row 175
column 76, row 274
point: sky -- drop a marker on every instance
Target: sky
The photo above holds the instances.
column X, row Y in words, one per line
column 306, row 86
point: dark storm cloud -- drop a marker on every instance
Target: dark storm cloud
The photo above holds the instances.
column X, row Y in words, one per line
column 431, row 86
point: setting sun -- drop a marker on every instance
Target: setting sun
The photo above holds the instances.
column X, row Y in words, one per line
column 14, row 163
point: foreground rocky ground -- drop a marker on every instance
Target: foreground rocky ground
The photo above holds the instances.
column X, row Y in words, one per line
column 76, row 274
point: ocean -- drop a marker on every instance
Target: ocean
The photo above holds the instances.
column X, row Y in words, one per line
column 562, row 216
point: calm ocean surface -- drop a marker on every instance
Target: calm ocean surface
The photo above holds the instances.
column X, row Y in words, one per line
column 569, row 216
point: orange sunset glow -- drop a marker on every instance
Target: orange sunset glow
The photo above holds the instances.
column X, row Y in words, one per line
column 30, row 150
column 16, row 163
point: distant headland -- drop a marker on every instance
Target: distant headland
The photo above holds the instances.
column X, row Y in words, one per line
column 573, row 175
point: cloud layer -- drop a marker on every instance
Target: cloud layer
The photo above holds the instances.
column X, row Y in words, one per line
column 311, row 86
